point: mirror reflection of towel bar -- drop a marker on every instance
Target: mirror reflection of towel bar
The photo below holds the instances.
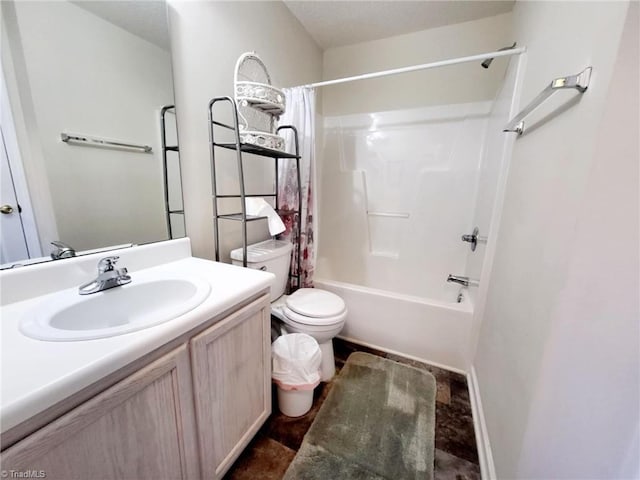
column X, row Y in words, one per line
column 90, row 141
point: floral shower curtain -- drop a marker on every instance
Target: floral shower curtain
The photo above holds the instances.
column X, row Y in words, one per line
column 300, row 112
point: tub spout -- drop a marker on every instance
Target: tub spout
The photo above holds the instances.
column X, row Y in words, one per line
column 464, row 281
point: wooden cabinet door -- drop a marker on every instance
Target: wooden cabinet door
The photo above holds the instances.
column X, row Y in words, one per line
column 141, row 428
column 232, row 384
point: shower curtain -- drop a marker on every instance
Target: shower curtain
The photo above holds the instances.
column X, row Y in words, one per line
column 300, row 112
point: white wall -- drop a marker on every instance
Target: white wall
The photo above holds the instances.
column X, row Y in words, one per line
column 81, row 74
column 557, row 358
column 206, row 40
column 456, row 84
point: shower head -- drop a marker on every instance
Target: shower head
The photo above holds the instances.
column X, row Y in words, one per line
column 488, row 61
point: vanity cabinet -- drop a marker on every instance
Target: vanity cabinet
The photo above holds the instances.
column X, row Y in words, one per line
column 232, row 385
column 187, row 414
column 142, row 428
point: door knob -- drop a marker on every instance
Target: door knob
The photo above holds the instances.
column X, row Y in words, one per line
column 6, row 209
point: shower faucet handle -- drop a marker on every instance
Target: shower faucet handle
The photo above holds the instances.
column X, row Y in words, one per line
column 464, row 281
column 474, row 238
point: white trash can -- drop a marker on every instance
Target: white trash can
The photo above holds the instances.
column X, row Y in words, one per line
column 296, row 360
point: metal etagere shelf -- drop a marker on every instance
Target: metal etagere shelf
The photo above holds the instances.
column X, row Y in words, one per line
column 245, row 148
column 165, row 168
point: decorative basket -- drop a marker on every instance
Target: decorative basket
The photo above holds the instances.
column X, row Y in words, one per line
column 259, row 103
column 262, row 139
column 260, row 96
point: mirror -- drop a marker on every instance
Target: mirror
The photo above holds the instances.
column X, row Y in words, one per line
column 84, row 84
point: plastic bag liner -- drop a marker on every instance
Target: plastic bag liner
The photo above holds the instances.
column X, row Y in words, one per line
column 296, row 362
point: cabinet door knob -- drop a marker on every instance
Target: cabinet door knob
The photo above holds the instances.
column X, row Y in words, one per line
column 6, row 209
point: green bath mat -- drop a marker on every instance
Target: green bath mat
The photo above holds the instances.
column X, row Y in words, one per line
column 377, row 423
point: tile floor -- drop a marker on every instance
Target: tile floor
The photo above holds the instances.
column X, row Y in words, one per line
column 269, row 454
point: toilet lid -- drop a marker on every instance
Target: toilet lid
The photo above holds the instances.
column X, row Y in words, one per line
column 315, row 322
column 315, row 303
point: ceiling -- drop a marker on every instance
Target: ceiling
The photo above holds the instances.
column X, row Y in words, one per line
column 338, row 23
column 144, row 18
column 330, row 23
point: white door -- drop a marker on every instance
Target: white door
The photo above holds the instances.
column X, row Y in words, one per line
column 13, row 243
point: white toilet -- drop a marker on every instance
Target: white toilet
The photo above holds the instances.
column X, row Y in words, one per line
column 315, row 312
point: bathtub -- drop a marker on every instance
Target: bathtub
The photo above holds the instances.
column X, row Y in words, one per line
column 430, row 331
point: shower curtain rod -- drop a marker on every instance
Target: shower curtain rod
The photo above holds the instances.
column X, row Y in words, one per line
column 424, row 66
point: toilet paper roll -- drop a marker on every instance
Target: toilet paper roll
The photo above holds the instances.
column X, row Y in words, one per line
column 258, row 207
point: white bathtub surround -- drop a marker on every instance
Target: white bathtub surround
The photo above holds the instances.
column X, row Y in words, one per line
column 300, row 113
column 398, row 190
column 38, row 374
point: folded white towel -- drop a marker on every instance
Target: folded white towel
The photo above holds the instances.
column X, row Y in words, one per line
column 260, row 208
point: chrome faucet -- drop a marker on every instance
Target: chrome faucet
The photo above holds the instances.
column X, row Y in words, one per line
column 108, row 277
column 464, row 281
column 62, row 250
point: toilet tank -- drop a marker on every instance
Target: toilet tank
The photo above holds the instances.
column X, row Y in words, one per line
column 272, row 256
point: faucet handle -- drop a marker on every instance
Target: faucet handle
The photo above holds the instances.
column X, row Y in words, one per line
column 474, row 239
column 107, row 264
column 62, row 250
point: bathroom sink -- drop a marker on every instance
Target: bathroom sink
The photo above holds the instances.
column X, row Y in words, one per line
column 145, row 302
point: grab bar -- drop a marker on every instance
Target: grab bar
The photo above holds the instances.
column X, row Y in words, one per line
column 579, row 81
column 102, row 142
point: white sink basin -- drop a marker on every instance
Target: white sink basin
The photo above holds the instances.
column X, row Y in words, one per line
column 145, row 302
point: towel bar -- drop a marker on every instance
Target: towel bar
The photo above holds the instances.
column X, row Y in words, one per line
column 101, row 142
column 579, row 82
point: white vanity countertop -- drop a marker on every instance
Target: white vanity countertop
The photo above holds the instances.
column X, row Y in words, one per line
column 38, row 374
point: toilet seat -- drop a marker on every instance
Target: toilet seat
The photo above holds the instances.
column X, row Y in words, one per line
column 312, row 308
